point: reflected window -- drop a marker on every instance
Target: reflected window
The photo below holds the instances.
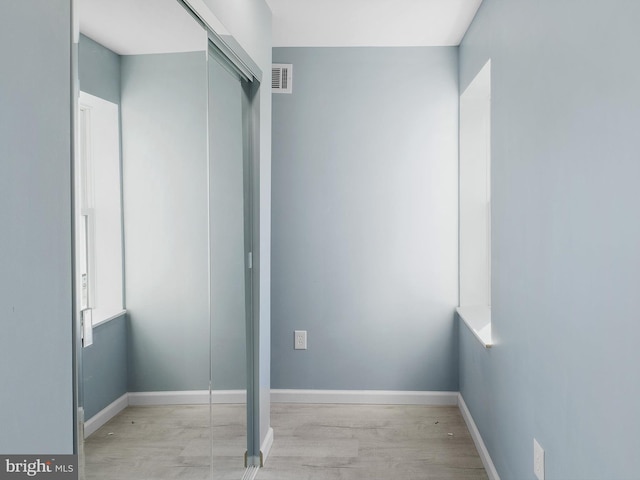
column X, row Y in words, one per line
column 100, row 212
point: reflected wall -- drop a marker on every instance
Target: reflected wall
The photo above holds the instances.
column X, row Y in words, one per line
column 164, row 144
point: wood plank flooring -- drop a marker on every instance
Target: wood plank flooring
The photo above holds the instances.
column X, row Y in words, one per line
column 312, row 442
column 168, row 442
column 370, row 442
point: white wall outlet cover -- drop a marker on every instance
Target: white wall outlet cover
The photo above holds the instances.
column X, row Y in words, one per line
column 300, row 339
column 538, row 460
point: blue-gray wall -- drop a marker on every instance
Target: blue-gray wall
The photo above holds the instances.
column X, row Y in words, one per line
column 36, row 414
column 566, row 261
column 227, row 230
column 164, row 125
column 365, row 219
column 104, row 364
column 99, row 70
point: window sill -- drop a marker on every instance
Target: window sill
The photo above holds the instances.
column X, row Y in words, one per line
column 108, row 318
column 478, row 320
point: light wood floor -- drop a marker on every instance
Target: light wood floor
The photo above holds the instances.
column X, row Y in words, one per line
column 365, row 442
column 312, row 442
column 167, row 442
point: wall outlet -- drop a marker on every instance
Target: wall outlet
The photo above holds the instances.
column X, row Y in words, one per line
column 300, row 340
column 538, row 460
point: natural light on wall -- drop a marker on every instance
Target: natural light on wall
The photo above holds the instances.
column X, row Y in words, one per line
column 99, row 217
column 475, row 206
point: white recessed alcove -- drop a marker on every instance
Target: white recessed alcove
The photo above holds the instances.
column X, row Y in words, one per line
column 475, row 206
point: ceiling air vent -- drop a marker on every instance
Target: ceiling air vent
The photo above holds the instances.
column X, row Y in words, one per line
column 281, row 77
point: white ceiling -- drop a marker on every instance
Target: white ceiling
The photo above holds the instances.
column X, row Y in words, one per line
column 335, row 23
column 133, row 27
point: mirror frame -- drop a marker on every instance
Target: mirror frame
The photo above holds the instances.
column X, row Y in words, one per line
column 225, row 44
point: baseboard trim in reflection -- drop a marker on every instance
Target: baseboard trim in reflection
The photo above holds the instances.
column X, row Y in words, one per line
column 106, row 414
column 365, row 397
column 187, row 397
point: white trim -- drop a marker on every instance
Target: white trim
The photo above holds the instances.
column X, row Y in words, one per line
column 106, row 414
column 228, row 396
column 477, row 439
column 478, row 320
column 121, row 313
column 370, row 397
column 193, row 397
column 187, row 397
column 265, row 448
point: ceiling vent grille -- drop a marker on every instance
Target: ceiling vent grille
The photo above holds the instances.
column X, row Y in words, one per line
column 281, row 78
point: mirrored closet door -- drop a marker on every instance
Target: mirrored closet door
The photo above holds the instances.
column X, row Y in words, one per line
column 163, row 241
column 229, row 264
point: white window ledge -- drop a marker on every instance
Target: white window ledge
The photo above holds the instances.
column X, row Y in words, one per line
column 478, row 319
column 102, row 319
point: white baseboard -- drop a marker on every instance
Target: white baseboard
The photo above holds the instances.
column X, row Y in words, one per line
column 265, row 448
column 367, row 397
column 370, row 397
column 106, row 414
column 383, row 397
column 477, row 439
column 187, row 397
column 229, row 396
column 192, row 397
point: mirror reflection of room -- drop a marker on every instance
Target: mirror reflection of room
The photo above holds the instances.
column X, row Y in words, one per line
column 149, row 222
